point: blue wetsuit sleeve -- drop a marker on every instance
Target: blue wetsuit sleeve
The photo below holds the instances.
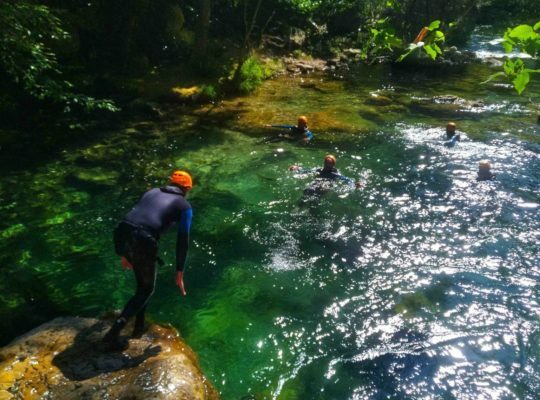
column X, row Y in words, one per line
column 309, row 135
column 182, row 241
column 283, row 126
column 342, row 178
column 302, row 170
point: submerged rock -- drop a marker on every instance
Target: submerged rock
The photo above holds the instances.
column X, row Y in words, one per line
column 378, row 100
column 94, row 177
column 447, row 106
column 64, row 359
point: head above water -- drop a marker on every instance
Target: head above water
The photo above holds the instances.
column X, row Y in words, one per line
column 329, row 161
column 182, row 179
column 484, row 165
column 302, row 122
column 450, row 127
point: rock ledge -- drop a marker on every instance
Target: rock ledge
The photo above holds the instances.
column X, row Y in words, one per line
column 64, row 359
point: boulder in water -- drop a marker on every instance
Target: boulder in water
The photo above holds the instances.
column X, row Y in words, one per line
column 64, row 359
column 446, row 106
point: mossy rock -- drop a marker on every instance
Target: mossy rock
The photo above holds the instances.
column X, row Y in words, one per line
column 412, row 303
column 193, row 94
column 94, row 178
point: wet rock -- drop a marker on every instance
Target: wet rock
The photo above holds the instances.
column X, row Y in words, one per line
column 378, row 100
column 184, row 95
column 446, row 106
column 303, row 66
column 493, row 62
column 333, row 61
column 311, row 85
column 275, row 42
column 446, row 99
column 352, row 52
column 453, row 56
column 64, row 359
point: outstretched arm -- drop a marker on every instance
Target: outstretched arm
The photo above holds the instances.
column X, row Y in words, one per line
column 300, row 170
column 182, row 245
column 281, row 126
column 349, row 181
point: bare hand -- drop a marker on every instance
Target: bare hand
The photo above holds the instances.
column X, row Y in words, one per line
column 358, row 185
column 180, row 282
column 125, row 263
column 294, row 168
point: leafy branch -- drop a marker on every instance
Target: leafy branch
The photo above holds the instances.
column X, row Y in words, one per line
column 25, row 58
column 526, row 38
column 429, row 40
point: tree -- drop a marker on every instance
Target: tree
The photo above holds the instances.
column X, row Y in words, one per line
column 27, row 63
column 201, row 42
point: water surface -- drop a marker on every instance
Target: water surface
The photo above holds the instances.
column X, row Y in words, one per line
column 423, row 284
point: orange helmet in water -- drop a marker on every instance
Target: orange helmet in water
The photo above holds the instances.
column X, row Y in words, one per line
column 182, row 178
column 302, row 120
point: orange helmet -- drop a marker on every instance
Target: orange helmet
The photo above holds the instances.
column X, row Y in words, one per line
column 451, row 126
column 182, row 178
column 302, row 120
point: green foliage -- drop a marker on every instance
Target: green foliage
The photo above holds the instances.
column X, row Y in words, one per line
column 524, row 37
column 382, row 39
column 305, row 6
column 527, row 39
column 209, row 92
column 252, row 74
column 326, row 7
column 29, row 63
column 429, row 40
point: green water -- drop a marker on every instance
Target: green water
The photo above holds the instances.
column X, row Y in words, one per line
column 421, row 285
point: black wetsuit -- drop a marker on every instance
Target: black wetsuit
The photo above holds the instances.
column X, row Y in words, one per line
column 322, row 184
column 296, row 131
column 136, row 238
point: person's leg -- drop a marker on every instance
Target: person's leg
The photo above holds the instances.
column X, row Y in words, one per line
column 138, row 328
column 147, row 282
column 143, row 259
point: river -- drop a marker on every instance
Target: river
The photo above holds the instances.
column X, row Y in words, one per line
column 423, row 284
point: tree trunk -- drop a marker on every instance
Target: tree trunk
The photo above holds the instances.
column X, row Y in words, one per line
column 201, row 31
column 247, row 47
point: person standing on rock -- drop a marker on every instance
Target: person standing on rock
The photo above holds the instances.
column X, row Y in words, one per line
column 136, row 242
column 297, row 131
